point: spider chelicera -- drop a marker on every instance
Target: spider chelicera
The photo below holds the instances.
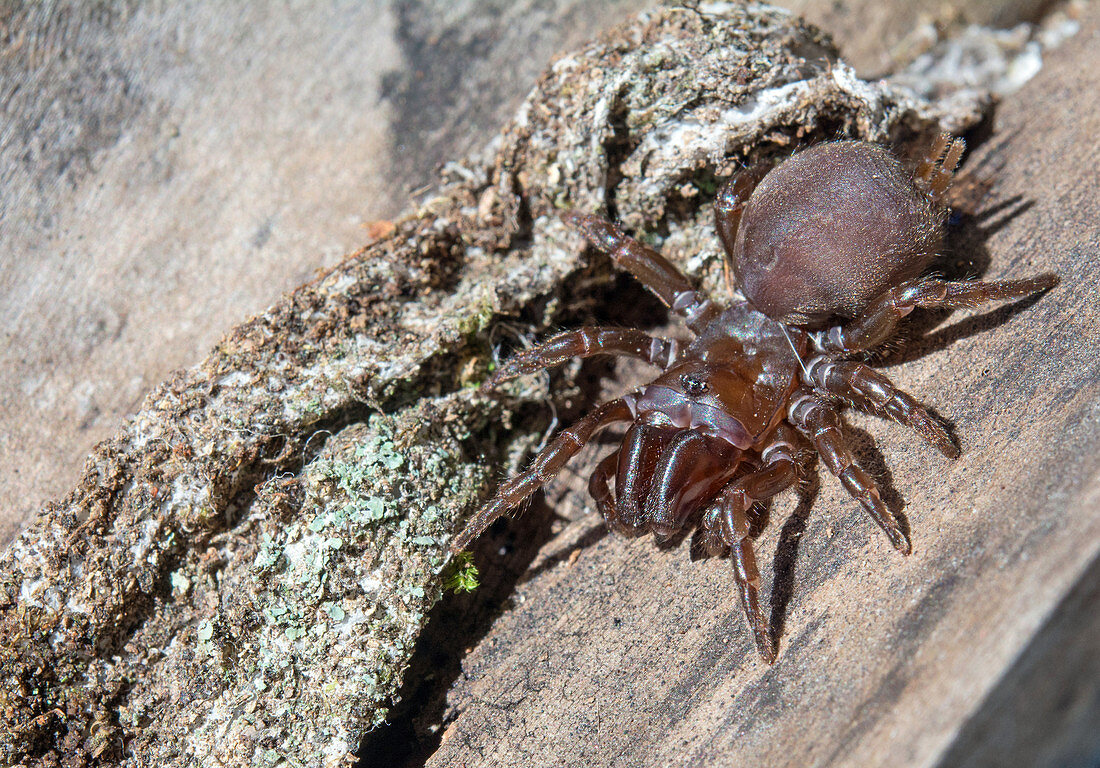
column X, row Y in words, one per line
column 828, row 249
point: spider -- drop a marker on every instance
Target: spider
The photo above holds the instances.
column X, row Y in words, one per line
column 828, row 249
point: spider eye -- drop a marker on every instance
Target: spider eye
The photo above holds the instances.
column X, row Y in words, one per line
column 693, row 384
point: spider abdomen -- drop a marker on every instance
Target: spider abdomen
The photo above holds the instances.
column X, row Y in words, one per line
column 830, row 229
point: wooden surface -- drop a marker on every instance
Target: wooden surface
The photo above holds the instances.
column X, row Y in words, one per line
column 622, row 655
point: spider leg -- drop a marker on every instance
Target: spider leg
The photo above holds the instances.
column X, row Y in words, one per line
column 866, row 387
column 877, row 322
column 586, row 342
column 652, row 269
column 820, row 422
column 731, row 199
column 548, row 463
column 936, row 170
column 727, row 521
column 599, row 488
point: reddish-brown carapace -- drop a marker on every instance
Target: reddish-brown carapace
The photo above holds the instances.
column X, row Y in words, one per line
column 828, row 249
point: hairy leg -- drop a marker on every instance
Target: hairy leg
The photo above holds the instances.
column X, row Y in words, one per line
column 547, row 464
column 599, row 488
column 731, row 199
column 936, row 171
column 867, row 388
column 586, row 342
column 727, row 522
column 880, row 318
column 820, row 422
column 652, row 269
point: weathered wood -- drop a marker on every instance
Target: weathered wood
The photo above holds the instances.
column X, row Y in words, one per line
column 1046, row 709
column 878, row 39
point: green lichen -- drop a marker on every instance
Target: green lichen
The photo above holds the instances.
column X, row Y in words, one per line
column 349, row 579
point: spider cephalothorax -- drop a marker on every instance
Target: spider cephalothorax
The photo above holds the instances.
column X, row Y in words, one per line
column 839, row 232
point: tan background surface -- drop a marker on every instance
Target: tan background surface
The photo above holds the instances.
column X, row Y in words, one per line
column 169, row 170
